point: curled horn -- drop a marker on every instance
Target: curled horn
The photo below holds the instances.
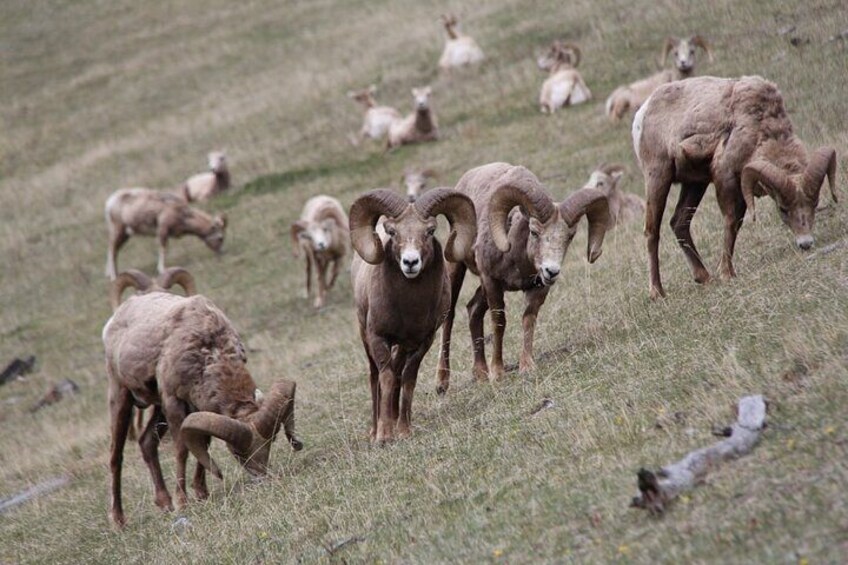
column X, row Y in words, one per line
column 699, row 41
column 198, row 427
column 335, row 213
column 128, row 278
column 670, row 43
column 524, row 190
column 364, row 213
column 180, row 276
column 277, row 410
column 565, row 47
column 822, row 162
column 773, row 179
column 459, row 210
column 592, row 203
column 297, row 228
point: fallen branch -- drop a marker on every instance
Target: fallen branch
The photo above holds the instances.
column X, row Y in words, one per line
column 657, row 490
column 32, row 492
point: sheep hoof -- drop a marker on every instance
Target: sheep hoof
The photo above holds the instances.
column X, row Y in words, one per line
column 442, row 389
column 702, row 277
column 163, row 501
column 403, row 432
column 657, row 292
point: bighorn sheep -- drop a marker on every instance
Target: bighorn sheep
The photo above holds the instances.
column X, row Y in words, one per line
column 377, row 119
column 522, row 237
column 417, row 127
column 321, row 234
column 216, row 180
column 564, row 86
column 623, row 207
column 415, row 181
column 401, row 291
column 142, row 211
column 632, row 96
column 460, row 50
column 736, row 134
column 182, row 356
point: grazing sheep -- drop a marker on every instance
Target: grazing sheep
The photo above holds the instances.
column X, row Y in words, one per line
column 564, row 86
column 182, row 356
column 417, row 127
column 623, row 207
column 415, row 181
column 142, row 211
column 401, row 291
column 522, row 237
column 460, row 50
column 216, row 180
column 632, row 96
column 322, row 234
column 736, row 134
column 377, row 119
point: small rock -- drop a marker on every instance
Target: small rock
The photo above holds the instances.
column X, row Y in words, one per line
column 180, row 525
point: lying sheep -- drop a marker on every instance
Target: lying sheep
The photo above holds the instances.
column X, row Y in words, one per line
column 736, row 134
column 632, row 96
column 142, row 211
column 401, row 291
column 415, row 181
column 564, row 85
column 204, row 186
column 623, row 207
column 522, row 237
column 182, row 356
column 460, row 50
column 417, row 127
column 377, row 119
column 321, row 234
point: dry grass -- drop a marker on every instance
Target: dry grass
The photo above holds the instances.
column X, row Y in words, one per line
column 102, row 95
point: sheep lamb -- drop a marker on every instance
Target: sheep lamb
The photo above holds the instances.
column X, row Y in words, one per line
column 321, row 234
column 216, row 180
column 735, row 134
column 564, row 85
column 377, row 119
column 460, row 50
column 419, row 126
column 623, row 207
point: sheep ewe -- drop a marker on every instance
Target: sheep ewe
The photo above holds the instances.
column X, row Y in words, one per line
column 321, row 234
column 564, row 85
column 377, row 119
column 417, row 127
column 522, row 237
column 623, row 207
column 632, row 96
column 401, row 291
column 460, row 50
column 182, row 356
column 415, row 181
column 736, row 134
column 204, row 186
column 142, row 211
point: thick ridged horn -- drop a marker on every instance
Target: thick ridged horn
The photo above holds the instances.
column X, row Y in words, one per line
column 364, row 213
column 592, row 203
column 519, row 187
column 126, row 279
column 822, row 162
column 297, row 228
column 198, row 427
column 335, row 213
column 773, row 179
column 459, row 210
column 699, row 41
column 670, row 43
column 277, row 410
column 180, row 276
column 566, row 46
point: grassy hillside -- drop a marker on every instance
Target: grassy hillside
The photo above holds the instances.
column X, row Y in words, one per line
column 99, row 95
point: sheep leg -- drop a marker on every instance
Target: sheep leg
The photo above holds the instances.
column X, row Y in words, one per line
column 657, row 186
column 117, row 239
column 533, row 300
column 456, row 274
column 495, row 298
column 163, row 248
column 477, row 307
column 408, row 380
column 373, row 377
column 334, row 273
column 690, row 197
column 308, row 255
column 120, row 411
column 149, row 444
column 733, row 208
column 381, row 352
column 175, row 412
column 321, row 275
column 198, row 483
column 398, row 363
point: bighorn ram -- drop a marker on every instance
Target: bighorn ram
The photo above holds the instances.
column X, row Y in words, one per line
column 377, row 119
column 632, row 96
column 522, row 237
column 417, row 127
column 401, row 291
column 182, row 356
column 736, row 134
column 460, row 49
column 321, row 234
column 564, row 86
column 623, row 206
column 216, row 180
column 142, row 211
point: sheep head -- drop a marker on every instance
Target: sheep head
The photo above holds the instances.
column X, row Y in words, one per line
column 422, row 98
column 684, row 52
column 605, row 178
column 451, row 24
column 364, row 97
column 214, row 239
column 796, row 195
column 217, row 161
column 320, row 232
column 415, row 181
column 560, row 52
column 411, row 228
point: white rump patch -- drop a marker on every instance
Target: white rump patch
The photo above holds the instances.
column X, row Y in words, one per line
column 637, row 129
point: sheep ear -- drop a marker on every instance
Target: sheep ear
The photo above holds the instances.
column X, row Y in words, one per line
column 221, row 220
column 592, row 203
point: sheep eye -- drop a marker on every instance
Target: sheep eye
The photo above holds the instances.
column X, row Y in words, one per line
column 534, row 233
column 431, row 232
column 391, row 232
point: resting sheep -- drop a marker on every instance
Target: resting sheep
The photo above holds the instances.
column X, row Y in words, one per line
column 216, row 180
column 401, row 291
column 182, row 356
column 321, row 234
column 564, row 86
column 142, row 211
column 417, row 127
column 623, row 207
column 460, row 49
column 632, row 96
column 736, row 134
column 522, row 237
column 377, row 119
